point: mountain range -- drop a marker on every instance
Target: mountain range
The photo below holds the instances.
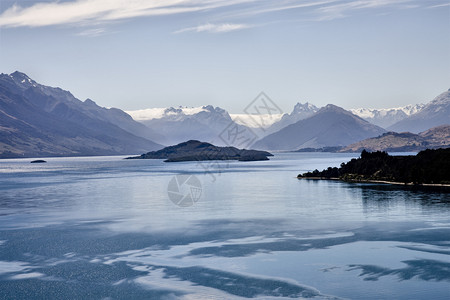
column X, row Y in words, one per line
column 207, row 123
column 39, row 120
column 386, row 117
column 275, row 135
column 176, row 125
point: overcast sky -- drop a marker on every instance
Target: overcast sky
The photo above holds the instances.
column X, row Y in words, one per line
column 138, row 54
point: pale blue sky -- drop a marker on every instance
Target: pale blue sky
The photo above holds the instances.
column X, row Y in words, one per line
column 139, row 54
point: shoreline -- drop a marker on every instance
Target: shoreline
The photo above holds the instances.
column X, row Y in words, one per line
column 409, row 184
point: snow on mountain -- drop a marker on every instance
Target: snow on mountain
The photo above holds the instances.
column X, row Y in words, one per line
column 207, row 123
column 385, row 117
column 163, row 112
column 255, row 121
column 176, row 125
column 434, row 113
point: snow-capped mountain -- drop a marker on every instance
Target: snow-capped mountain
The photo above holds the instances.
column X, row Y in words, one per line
column 261, row 121
column 434, row 113
column 208, row 123
column 205, row 123
column 386, row 117
column 171, row 113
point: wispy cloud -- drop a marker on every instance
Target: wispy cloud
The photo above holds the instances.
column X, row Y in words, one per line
column 215, row 28
column 342, row 10
column 85, row 11
column 440, row 5
column 283, row 6
column 92, row 32
column 97, row 12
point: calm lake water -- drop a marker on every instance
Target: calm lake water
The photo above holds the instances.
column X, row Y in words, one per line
column 108, row 228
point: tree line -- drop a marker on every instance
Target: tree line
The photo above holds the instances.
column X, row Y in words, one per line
column 428, row 166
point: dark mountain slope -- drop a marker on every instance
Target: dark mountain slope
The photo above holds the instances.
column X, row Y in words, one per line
column 34, row 122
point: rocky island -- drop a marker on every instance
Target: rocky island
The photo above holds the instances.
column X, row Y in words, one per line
column 428, row 167
column 197, row 151
column 38, row 161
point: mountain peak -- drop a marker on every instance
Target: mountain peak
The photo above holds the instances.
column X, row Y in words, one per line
column 90, row 102
column 18, row 74
column 307, row 107
column 333, row 108
column 22, row 79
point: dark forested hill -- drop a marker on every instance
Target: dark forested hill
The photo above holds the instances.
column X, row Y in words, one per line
column 428, row 166
column 197, row 151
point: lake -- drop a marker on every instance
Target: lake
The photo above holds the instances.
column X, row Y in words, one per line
column 109, row 228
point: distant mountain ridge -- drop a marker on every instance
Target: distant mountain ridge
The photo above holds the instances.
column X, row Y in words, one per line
column 38, row 120
column 437, row 137
column 180, row 124
column 330, row 126
column 386, row 117
column 434, row 113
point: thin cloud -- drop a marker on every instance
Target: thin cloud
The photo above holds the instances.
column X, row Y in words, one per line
column 92, row 32
column 342, row 10
column 85, row 11
column 215, row 28
column 96, row 13
column 439, row 5
column 292, row 5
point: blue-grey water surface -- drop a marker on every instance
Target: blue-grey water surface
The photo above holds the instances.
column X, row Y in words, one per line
column 105, row 228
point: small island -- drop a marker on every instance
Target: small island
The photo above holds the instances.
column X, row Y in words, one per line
column 198, row 151
column 38, row 161
column 427, row 168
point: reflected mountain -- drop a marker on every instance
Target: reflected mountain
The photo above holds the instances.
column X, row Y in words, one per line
column 423, row 269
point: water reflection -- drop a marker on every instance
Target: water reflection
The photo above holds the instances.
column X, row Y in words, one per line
column 423, row 269
column 388, row 199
